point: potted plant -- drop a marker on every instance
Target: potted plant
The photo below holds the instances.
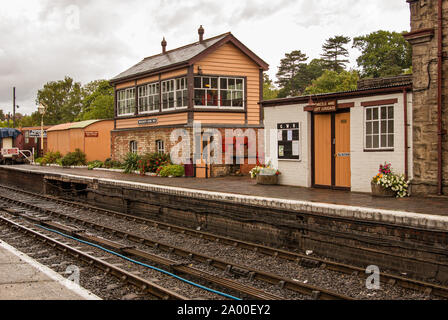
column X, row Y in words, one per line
column 389, row 184
column 265, row 174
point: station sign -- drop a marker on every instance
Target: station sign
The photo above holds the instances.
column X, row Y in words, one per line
column 37, row 133
column 147, row 121
column 91, row 134
column 10, row 152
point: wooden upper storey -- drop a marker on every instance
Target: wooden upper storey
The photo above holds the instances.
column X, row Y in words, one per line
column 220, row 82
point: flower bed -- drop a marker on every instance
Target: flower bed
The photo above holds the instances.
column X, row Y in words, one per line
column 265, row 174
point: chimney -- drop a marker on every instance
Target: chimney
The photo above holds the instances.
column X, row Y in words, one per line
column 201, row 34
column 164, row 45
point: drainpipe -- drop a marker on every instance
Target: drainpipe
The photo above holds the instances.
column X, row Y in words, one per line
column 406, row 161
column 439, row 95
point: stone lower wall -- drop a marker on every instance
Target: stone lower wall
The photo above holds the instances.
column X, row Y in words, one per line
column 425, row 130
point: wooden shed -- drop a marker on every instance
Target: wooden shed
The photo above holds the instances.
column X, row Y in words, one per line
column 92, row 137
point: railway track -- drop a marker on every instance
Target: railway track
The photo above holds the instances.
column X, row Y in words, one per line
column 229, row 267
column 404, row 282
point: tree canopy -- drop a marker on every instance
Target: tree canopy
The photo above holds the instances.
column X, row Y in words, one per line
column 383, row 54
column 97, row 101
column 269, row 90
column 332, row 81
column 335, row 54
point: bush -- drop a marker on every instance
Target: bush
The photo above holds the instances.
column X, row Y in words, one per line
column 39, row 160
column 150, row 162
column 95, row 164
column 109, row 164
column 50, row 158
column 172, row 171
column 77, row 158
column 131, row 162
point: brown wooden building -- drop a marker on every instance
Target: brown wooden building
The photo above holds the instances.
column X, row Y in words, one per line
column 216, row 81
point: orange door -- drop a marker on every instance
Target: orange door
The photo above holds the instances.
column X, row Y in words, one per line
column 342, row 150
column 322, row 149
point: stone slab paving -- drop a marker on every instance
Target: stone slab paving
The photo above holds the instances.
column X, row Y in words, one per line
column 23, row 278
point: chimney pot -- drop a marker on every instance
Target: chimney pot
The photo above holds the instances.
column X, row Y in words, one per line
column 163, row 45
column 201, row 34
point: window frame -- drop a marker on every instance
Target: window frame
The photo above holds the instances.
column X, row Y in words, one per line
column 219, row 105
column 379, row 120
column 131, row 146
column 158, row 149
column 158, row 95
column 175, row 92
column 132, row 100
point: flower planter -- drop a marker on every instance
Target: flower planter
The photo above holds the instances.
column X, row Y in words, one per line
column 267, row 180
column 379, row 191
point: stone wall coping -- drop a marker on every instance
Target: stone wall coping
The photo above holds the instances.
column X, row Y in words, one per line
column 401, row 218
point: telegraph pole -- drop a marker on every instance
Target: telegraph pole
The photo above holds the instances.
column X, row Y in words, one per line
column 14, row 107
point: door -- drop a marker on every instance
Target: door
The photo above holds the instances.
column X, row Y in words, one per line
column 342, row 150
column 332, row 158
column 322, row 150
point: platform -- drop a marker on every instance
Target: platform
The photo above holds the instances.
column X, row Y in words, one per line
column 416, row 211
column 23, row 278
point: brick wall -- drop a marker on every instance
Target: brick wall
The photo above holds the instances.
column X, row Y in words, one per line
column 425, row 157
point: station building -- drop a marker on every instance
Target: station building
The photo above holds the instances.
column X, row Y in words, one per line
column 338, row 140
column 32, row 140
column 217, row 82
column 91, row 137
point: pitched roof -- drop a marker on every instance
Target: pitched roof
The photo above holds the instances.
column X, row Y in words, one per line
column 73, row 125
column 184, row 56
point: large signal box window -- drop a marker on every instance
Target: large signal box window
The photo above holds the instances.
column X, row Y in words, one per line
column 288, row 141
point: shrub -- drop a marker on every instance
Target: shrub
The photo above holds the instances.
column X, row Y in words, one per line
column 51, row 158
column 109, row 163
column 95, row 164
column 131, row 162
column 173, row 170
column 39, row 160
column 77, row 158
column 150, row 162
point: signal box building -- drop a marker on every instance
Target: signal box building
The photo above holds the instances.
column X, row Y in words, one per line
column 216, row 81
column 338, row 140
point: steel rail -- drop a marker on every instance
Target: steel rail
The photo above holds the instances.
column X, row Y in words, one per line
column 251, row 273
column 408, row 283
column 119, row 273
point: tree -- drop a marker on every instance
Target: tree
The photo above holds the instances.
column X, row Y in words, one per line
column 269, row 90
column 334, row 53
column 97, row 101
column 2, row 115
column 332, row 81
column 307, row 73
column 63, row 100
column 289, row 67
column 383, row 54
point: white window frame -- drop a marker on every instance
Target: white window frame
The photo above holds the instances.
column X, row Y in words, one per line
column 380, row 132
column 123, row 101
column 219, row 92
column 160, row 146
column 173, row 84
column 152, row 90
column 133, row 146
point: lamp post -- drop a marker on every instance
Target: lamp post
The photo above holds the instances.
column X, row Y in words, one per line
column 41, row 110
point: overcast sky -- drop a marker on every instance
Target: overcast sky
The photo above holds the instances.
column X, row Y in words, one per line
column 45, row 40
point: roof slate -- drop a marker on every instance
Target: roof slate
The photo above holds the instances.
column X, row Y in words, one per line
column 172, row 57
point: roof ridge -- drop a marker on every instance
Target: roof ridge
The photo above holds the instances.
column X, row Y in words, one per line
column 188, row 45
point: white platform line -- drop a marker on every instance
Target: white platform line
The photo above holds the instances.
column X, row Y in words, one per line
column 51, row 273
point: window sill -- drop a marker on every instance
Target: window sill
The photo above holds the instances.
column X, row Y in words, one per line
column 290, row 160
column 379, row 150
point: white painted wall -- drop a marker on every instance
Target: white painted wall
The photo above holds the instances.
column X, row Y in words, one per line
column 364, row 165
column 293, row 172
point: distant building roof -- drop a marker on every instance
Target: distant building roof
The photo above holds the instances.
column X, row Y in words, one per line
column 74, row 125
column 185, row 56
column 384, row 82
column 9, row 132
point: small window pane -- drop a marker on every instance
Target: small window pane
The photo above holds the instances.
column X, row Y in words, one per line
column 391, row 126
column 223, row 83
column 206, row 83
column 384, row 126
column 376, row 141
column 369, row 128
column 212, row 98
column 226, row 99
column 239, row 84
column 369, row 114
column 391, row 141
column 376, row 127
column 391, row 112
column 232, row 84
column 214, row 83
column 375, row 114
column 369, row 142
column 199, row 97
column 197, row 82
column 383, row 112
column 383, row 141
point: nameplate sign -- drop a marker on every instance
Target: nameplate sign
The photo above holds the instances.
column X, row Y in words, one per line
column 10, row 152
column 147, row 121
column 91, row 134
column 37, row 133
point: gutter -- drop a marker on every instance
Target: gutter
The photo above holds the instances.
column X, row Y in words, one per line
column 439, row 96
